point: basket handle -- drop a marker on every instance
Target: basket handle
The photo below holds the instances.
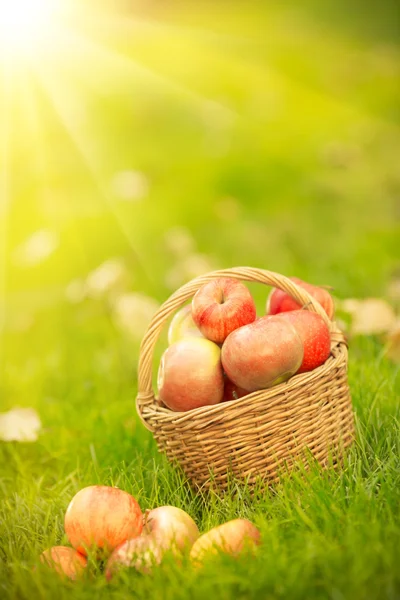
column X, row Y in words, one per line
column 145, row 396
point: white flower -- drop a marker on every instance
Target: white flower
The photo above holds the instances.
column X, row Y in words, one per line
column 39, row 246
column 216, row 115
column 19, row 425
column 190, row 267
column 76, row 291
column 132, row 313
column 179, row 241
column 110, row 276
column 130, row 185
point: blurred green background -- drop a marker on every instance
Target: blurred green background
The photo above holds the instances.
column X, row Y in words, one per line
column 174, row 138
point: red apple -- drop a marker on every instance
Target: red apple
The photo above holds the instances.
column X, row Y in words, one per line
column 65, row 561
column 166, row 528
column 172, row 527
column 315, row 336
column 233, row 537
column 190, row 374
column 232, row 391
column 141, row 553
column 221, row 306
column 102, row 517
column 279, row 301
column 262, row 354
column 182, row 325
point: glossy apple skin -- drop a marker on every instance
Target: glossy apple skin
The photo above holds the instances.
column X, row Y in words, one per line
column 182, row 325
column 141, row 553
column 65, row 561
column 233, row 537
column 190, row 374
column 262, row 354
column 315, row 336
column 279, row 301
column 221, row 306
column 172, row 527
column 102, row 517
column 232, row 391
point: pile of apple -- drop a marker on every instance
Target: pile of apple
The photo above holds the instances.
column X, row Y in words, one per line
column 220, row 351
column 107, row 523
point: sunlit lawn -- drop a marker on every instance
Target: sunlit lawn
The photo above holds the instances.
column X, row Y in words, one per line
column 249, row 152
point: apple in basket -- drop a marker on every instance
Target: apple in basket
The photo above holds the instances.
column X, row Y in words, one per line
column 315, row 335
column 262, row 354
column 100, row 517
column 233, row 537
column 190, row 374
column 221, row 306
column 279, row 301
column 66, row 561
column 182, row 325
column 232, row 391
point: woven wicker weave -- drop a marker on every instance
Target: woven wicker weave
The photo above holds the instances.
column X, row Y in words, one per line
column 257, row 436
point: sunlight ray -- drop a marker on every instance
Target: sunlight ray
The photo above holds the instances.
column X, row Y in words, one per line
column 75, row 49
column 30, row 112
column 59, row 95
column 5, row 189
column 119, row 24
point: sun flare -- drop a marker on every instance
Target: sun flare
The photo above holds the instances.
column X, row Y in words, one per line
column 25, row 24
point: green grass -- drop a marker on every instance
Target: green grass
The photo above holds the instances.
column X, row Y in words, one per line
column 304, row 137
column 330, row 534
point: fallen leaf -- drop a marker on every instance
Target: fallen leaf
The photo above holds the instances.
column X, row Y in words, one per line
column 392, row 347
column 19, row 425
column 369, row 316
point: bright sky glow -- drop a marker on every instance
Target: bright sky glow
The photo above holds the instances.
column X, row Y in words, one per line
column 25, row 23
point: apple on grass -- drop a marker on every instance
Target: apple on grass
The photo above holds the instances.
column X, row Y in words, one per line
column 101, row 517
column 279, row 301
column 182, row 325
column 190, row 374
column 66, row 561
column 262, row 354
column 166, row 529
column 233, row 537
column 141, row 553
column 315, row 335
column 221, row 306
column 171, row 526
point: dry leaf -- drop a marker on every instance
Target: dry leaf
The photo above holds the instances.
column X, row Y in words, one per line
column 19, row 425
column 369, row 316
column 392, row 348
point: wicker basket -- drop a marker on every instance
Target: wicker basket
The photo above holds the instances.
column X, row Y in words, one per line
column 258, row 436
